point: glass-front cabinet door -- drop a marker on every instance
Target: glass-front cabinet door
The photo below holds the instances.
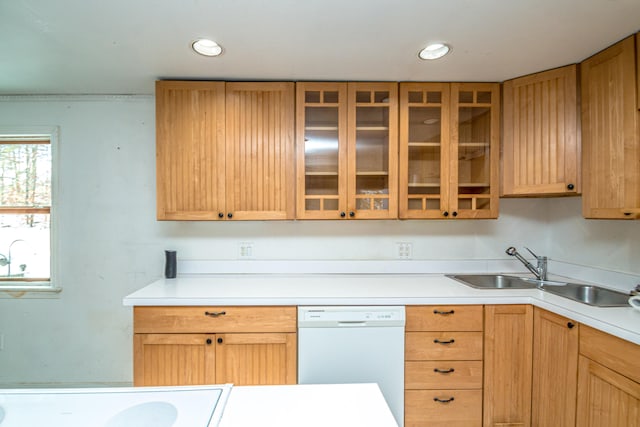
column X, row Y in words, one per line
column 347, row 150
column 321, row 150
column 372, row 150
column 424, row 150
column 475, row 121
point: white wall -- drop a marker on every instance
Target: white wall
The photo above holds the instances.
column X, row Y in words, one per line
column 110, row 243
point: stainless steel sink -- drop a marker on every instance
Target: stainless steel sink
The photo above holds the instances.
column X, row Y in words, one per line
column 586, row 294
column 589, row 294
column 493, row 281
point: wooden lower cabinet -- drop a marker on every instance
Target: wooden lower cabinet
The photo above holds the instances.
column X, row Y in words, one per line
column 608, row 381
column 555, row 368
column 243, row 346
column 443, row 366
column 508, row 365
column 446, row 408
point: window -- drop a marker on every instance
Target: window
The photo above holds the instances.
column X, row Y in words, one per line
column 26, row 164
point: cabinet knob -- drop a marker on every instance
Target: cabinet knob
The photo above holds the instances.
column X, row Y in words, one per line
column 443, row 371
column 342, row 214
column 570, row 325
column 443, row 313
column 437, row 341
column 220, row 215
column 445, row 213
column 208, row 341
column 455, row 214
column 570, row 187
column 229, row 215
column 220, row 341
column 215, row 313
column 352, row 214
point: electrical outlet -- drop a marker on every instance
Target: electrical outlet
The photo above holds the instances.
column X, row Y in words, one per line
column 1, row 342
column 405, row 250
column 245, row 250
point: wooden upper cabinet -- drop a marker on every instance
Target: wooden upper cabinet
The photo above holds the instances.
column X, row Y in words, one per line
column 347, row 150
column 260, row 151
column 449, row 139
column 474, row 164
column 541, row 140
column 190, row 150
column 321, row 150
column 424, row 149
column 610, row 135
column 225, row 150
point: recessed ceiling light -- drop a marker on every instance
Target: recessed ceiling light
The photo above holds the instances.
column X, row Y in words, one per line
column 434, row 51
column 207, row 47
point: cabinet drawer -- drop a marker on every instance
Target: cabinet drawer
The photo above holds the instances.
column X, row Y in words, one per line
column 200, row 319
column 443, row 346
column 613, row 352
column 446, row 374
column 421, row 408
column 444, row 318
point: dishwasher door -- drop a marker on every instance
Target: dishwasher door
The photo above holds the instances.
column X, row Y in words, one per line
column 340, row 345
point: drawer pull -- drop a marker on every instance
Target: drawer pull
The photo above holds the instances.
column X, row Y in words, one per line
column 437, row 341
column 437, row 399
column 443, row 313
column 444, row 371
column 215, row 313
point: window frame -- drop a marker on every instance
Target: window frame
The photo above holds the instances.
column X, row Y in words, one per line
column 36, row 287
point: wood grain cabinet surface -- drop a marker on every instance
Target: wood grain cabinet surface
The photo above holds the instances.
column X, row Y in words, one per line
column 449, row 150
column 541, row 135
column 555, row 370
column 608, row 381
column 508, row 365
column 610, row 134
column 225, row 150
column 214, row 345
column 347, row 155
column 443, row 366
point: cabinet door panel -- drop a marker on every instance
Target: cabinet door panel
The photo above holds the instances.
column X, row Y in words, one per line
column 508, row 364
column 444, row 318
column 465, row 410
column 255, row 359
column 555, row 363
column 446, row 374
column 174, row 359
column 474, row 165
column 194, row 319
column 372, row 184
column 190, row 150
column 606, row 398
column 610, row 141
column 443, row 346
column 541, row 154
column 321, row 150
column 260, row 151
column 424, row 152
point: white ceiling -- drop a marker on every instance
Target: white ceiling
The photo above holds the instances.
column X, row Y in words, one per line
column 123, row 46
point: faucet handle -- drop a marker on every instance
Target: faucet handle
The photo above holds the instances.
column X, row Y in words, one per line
column 531, row 252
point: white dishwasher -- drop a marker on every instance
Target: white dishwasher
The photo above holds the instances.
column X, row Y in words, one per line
column 354, row 344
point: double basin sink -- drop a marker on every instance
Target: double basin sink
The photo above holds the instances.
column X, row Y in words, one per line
column 586, row 294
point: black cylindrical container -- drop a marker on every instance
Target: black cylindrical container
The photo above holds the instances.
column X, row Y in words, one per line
column 170, row 268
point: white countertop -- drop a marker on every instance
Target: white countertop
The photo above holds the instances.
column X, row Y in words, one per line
column 321, row 405
column 370, row 289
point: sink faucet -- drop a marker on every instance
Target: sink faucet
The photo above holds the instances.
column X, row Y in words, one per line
column 540, row 271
